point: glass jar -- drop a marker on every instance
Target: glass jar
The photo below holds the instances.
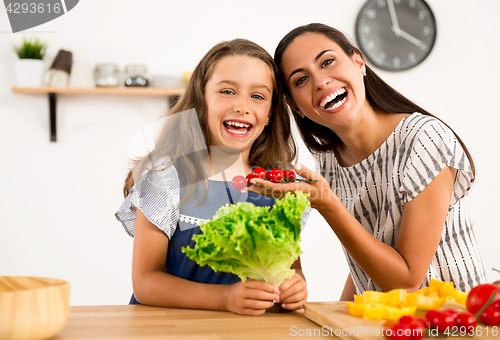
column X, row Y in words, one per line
column 136, row 75
column 107, row 75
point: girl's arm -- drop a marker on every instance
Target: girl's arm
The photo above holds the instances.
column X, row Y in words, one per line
column 422, row 223
column 294, row 290
column 349, row 290
column 154, row 287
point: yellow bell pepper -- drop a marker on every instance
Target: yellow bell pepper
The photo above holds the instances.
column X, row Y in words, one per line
column 424, row 302
column 375, row 311
column 396, row 303
column 355, row 309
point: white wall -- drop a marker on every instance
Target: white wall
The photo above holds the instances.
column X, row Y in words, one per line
column 57, row 200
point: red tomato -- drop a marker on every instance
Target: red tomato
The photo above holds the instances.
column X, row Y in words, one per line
column 259, row 172
column 417, row 329
column 248, row 178
column 451, row 312
column 466, row 320
column 406, row 319
column 496, row 305
column 490, row 316
column 289, row 175
column 480, row 295
column 276, row 175
column 400, row 331
column 238, row 182
column 441, row 321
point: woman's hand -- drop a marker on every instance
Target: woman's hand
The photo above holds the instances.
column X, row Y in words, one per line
column 293, row 292
column 251, row 297
column 319, row 191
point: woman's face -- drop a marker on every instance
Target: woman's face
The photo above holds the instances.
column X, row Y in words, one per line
column 326, row 84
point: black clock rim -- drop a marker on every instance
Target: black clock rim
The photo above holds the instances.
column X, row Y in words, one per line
column 356, row 30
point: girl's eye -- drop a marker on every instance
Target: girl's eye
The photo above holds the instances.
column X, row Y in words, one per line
column 327, row 62
column 300, row 80
column 257, row 96
column 227, row 92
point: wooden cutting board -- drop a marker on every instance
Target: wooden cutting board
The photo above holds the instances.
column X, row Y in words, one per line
column 335, row 319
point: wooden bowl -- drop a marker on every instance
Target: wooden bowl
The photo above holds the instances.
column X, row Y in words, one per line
column 32, row 308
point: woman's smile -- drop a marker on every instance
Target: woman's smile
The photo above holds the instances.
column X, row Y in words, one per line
column 333, row 100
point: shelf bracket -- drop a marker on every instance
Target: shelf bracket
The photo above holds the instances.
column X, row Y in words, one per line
column 52, row 116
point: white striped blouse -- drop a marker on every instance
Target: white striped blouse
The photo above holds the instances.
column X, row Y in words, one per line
column 376, row 189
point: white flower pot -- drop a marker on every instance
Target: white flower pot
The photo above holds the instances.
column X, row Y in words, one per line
column 29, row 72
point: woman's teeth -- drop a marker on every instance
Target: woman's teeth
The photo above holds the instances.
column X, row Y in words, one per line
column 333, row 97
column 336, row 105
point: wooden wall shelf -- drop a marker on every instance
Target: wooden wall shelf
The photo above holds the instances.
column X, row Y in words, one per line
column 52, row 92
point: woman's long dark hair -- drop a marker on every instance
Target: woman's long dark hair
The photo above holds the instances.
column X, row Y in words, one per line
column 274, row 147
column 382, row 97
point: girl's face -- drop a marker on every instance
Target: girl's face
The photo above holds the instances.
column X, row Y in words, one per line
column 326, row 84
column 238, row 96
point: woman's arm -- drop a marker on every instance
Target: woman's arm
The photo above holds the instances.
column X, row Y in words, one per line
column 349, row 290
column 403, row 266
column 154, row 287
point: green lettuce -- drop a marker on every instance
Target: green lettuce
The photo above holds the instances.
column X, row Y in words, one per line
column 252, row 242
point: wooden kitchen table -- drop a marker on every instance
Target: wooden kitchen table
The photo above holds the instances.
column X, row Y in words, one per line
column 144, row 322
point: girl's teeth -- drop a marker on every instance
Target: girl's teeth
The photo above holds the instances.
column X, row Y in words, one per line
column 237, row 132
column 238, row 124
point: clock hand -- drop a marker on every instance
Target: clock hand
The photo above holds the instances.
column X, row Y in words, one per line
column 394, row 18
column 411, row 38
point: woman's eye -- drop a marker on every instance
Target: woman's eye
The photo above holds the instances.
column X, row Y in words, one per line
column 300, row 80
column 227, row 92
column 327, row 62
column 257, row 96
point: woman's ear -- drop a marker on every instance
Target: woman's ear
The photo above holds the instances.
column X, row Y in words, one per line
column 358, row 60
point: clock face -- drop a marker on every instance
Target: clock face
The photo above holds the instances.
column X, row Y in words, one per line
column 395, row 35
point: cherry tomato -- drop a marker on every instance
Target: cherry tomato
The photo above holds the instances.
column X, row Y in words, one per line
column 417, row 329
column 490, row 316
column 289, row 175
column 406, row 319
column 466, row 320
column 480, row 295
column 276, row 175
column 238, row 182
column 259, row 172
column 400, row 331
column 451, row 312
column 441, row 321
column 496, row 305
column 249, row 177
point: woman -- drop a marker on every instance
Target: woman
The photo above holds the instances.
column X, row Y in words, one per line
column 394, row 177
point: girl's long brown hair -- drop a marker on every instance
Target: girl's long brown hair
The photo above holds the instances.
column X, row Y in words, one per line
column 274, row 147
column 382, row 97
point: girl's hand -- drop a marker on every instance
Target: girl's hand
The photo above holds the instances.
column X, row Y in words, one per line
column 251, row 297
column 293, row 292
column 319, row 191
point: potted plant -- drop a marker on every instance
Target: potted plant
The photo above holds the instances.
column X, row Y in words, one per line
column 30, row 66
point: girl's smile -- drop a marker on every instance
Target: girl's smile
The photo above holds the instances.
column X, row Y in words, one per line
column 238, row 96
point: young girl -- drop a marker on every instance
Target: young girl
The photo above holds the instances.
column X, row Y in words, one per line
column 233, row 105
column 397, row 177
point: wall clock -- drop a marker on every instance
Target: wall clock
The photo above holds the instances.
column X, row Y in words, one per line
column 395, row 35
